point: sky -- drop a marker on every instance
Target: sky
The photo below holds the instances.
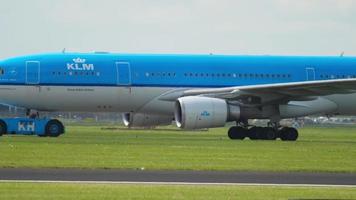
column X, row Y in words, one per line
column 253, row 27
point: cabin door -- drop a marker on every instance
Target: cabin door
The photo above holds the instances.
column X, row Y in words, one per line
column 123, row 73
column 32, row 72
column 310, row 71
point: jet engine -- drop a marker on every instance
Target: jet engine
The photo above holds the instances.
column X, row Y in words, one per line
column 196, row 112
column 145, row 120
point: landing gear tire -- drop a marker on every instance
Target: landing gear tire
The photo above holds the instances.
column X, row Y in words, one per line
column 270, row 134
column 289, row 134
column 237, row 133
column 3, row 128
column 253, row 133
column 260, row 133
column 54, row 128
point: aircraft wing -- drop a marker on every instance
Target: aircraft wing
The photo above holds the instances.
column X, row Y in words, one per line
column 279, row 92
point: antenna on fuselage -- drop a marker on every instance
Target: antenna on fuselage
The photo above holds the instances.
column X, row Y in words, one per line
column 342, row 54
column 64, row 50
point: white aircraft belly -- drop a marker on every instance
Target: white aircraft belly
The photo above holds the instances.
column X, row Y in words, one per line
column 88, row 99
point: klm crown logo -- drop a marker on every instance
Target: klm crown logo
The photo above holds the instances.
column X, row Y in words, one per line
column 205, row 114
column 79, row 60
column 79, row 64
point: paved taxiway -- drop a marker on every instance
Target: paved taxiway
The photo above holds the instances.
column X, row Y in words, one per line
column 196, row 177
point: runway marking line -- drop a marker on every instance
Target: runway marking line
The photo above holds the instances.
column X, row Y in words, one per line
column 177, row 183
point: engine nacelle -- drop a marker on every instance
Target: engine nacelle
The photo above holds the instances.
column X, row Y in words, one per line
column 195, row 112
column 145, row 120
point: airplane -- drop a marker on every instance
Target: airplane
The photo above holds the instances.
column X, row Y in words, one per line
column 195, row 91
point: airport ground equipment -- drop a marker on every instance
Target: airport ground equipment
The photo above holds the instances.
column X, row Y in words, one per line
column 44, row 127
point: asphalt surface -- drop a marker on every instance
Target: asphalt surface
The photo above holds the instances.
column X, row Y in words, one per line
column 101, row 175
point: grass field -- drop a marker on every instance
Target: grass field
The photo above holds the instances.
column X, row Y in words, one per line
column 318, row 149
column 41, row 191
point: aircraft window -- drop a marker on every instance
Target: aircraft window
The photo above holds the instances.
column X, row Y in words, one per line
column 289, row 76
column 283, row 75
column 234, row 75
column 256, row 75
column 246, row 75
column 278, row 75
column 98, row 73
column 65, row 73
column 218, row 75
column 223, row 75
column 267, row 75
column 207, row 75
column 251, row 75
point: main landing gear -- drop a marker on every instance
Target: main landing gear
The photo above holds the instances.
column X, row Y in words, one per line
column 263, row 133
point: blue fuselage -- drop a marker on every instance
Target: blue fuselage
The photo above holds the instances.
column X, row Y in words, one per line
column 101, row 82
column 170, row 70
